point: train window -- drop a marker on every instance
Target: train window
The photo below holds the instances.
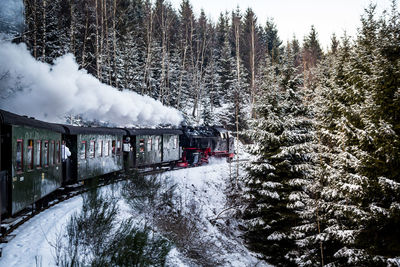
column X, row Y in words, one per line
column 63, row 151
column 176, row 142
column 92, row 149
column 54, row 153
column 141, row 145
column 157, row 143
column 58, row 152
column 118, row 147
column 107, row 149
column 149, row 142
column 100, row 148
column 39, row 154
column 83, row 150
column 113, row 143
column 51, row 152
column 46, row 153
column 20, row 155
column 29, row 155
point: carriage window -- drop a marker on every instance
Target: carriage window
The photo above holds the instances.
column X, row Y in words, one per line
column 51, row 152
column 118, row 147
column 20, row 155
column 113, row 147
column 149, row 142
column 58, row 152
column 141, row 145
column 54, row 153
column 100, row 148
column 63, row 151
column 29, row 155
column 107, row 149
column 157, row 143
column 176, row 145
column 83, row 150
column 39, row 154
column 92, row 149
column 46, row 153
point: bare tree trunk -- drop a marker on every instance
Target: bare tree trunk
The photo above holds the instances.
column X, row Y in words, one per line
column 72, row 28
column 115, row 43
column 163, row 43
column 106, row 43
column 181, row 77
column 199, row 61
column 44, row 31
column 148, row 56
column 252, row 69
column 85, row 37
column 35, row 29
column 101, row 39
column 237, row 41
column 168, row 94
column 97, row 40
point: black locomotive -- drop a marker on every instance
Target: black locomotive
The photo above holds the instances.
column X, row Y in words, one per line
column 37, row 158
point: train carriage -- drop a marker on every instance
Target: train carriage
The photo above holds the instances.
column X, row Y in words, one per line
column 30, row 161
column 152, row 147
column 94, row 151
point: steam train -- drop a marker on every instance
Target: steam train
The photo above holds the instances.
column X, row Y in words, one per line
column 37, row 158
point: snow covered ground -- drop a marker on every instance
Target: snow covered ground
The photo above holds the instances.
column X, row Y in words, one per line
column 34, row 239
column 202, row 190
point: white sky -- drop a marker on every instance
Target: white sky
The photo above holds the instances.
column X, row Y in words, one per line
column 297, row 16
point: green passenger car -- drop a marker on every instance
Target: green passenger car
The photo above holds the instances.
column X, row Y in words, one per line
column 152, row 147
column 31, row 159
column 95, row 151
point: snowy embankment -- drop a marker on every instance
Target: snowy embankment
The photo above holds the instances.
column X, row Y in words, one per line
column 206, row 188
column 34, row 240
column 200, row 191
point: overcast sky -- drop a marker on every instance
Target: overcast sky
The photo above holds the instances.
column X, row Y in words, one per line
column 297, row 16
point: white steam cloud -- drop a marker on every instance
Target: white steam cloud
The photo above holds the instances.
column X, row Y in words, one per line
column 49, row 92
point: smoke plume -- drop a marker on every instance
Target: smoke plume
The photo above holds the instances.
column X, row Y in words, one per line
column 49, row 92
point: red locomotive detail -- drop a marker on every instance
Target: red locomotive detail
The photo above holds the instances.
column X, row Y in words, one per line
column 199, row 143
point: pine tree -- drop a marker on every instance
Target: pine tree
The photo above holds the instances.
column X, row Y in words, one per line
column 312, row 51
column 273, row 42
column 378, row 48
column 279, row 176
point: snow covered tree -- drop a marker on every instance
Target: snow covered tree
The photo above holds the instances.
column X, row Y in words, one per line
column 273, row 42
column 279, row 178
column 378, row 49
column 360, row 147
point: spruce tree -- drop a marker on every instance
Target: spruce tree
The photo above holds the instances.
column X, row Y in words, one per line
column 279, row 178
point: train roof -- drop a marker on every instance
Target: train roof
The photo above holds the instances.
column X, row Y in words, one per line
column 202, row 131
column 75, row 130
column 15, row 119
column 160, row 131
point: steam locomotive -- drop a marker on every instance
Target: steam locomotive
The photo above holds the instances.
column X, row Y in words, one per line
column 38, row 158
